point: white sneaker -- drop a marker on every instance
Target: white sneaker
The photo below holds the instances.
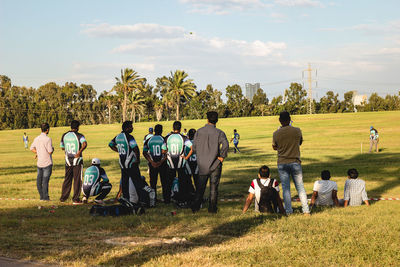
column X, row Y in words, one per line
column 84, row 200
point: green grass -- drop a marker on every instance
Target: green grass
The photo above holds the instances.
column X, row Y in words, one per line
column 355, row 236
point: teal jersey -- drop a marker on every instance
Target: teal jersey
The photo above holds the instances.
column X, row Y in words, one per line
column 72, row 143
column 125, row 143
column 92, row 179
column 154, row 147
column 175, row 147
column 188, row 147
column 373, row 135
column 147, row 137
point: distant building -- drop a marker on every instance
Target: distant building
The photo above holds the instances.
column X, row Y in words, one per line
column 359, row 100
column 251, row 90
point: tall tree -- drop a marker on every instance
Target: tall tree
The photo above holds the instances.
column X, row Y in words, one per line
column 129, row 81
column 137, row 104
column 179, row 87
column 296, row 102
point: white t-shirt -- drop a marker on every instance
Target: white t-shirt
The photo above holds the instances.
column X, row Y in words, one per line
column 256, row 190
column 324, row 189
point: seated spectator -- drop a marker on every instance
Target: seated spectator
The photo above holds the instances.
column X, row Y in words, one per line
column 95, row 183
column 354, row 190
column 325, row 191
column 266, row 192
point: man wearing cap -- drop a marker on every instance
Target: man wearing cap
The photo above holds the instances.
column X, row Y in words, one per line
column 373, row 139
column 149, row 135
column 287, row 140
column 95, row 183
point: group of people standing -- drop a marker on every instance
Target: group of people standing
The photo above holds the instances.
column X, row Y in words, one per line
column 198, row 155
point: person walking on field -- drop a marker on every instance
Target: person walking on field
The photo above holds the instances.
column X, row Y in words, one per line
column 287, row 140
column 73, row 143
column 211, row 147
column 235, row 138
column 373, row 139
column 43, row 148
column 25, row 138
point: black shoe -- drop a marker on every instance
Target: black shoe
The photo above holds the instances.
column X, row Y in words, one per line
column 212, row 210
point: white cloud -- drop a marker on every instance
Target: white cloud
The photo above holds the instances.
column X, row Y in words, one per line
column 140, row 30
column 223, row 7
column 374, row 28
column 299, row 3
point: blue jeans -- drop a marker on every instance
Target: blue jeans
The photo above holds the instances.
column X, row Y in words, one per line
column 294, row 170
column 42, row 181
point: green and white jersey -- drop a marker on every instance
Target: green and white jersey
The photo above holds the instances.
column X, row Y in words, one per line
column 125, row 143
column 92, row 178
column 188, row 146
column 72, row 142
column 175, row 146
column 154, row 147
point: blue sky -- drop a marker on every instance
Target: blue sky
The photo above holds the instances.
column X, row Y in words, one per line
column 353, row 44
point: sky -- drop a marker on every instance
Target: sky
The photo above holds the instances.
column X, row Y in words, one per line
column 349, row 44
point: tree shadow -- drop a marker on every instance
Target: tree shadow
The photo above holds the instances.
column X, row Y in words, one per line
column 218, row 235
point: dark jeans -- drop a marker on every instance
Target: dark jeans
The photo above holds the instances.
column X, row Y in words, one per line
column 165, row 183
column 214, row 176
column 72, row 173
column 42, row 181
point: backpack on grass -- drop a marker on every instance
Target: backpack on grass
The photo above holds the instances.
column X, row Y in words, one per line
column 116, row 210
column 268, row 196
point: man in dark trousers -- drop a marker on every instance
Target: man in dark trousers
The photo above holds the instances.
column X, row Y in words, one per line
column 155, row 150
column 211, row 147
column 73, row 143
column 129, row 158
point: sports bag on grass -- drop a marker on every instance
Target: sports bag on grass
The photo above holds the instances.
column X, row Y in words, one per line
column 268, row 196
column 115, row 210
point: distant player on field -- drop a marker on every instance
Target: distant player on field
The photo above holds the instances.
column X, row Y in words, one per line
column 373, row 139
column 235, row 139
column 149, row 135
column 95, row 183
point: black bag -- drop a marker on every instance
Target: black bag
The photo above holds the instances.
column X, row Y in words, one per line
column 116, row 210
column 268, row 196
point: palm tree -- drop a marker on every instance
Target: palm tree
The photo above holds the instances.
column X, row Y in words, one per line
column 137, row 103
column 178, row 87
column 129, row 81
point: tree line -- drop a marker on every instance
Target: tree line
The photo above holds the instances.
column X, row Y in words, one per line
column 171, row 98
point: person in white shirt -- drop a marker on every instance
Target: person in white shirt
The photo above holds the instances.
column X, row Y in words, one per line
column 255, row 190
column 43, row 148
column 325, row 191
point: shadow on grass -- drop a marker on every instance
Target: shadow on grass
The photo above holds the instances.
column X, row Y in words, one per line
column 218, row 235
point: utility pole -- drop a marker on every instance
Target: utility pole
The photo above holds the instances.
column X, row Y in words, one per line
column 309, row 93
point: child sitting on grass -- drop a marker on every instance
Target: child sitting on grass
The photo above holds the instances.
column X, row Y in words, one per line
column 325, row 191
column 266, row 191
column 354, row 190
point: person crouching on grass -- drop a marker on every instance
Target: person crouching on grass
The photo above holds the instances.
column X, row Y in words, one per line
column 266, row 191
column 95, row 183
column 354, row 190
column 325, row 191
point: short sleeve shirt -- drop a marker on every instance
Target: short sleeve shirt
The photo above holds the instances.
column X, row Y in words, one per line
column 72, row 142
column 125, row 143
column 324, row 189
column 175, row 146
column 154, row 147
column 287, row 139
column 256, row 190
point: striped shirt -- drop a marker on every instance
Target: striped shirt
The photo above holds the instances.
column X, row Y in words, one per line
column 354, row 192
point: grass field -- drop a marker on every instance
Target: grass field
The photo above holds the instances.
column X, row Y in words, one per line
column 354, row 236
